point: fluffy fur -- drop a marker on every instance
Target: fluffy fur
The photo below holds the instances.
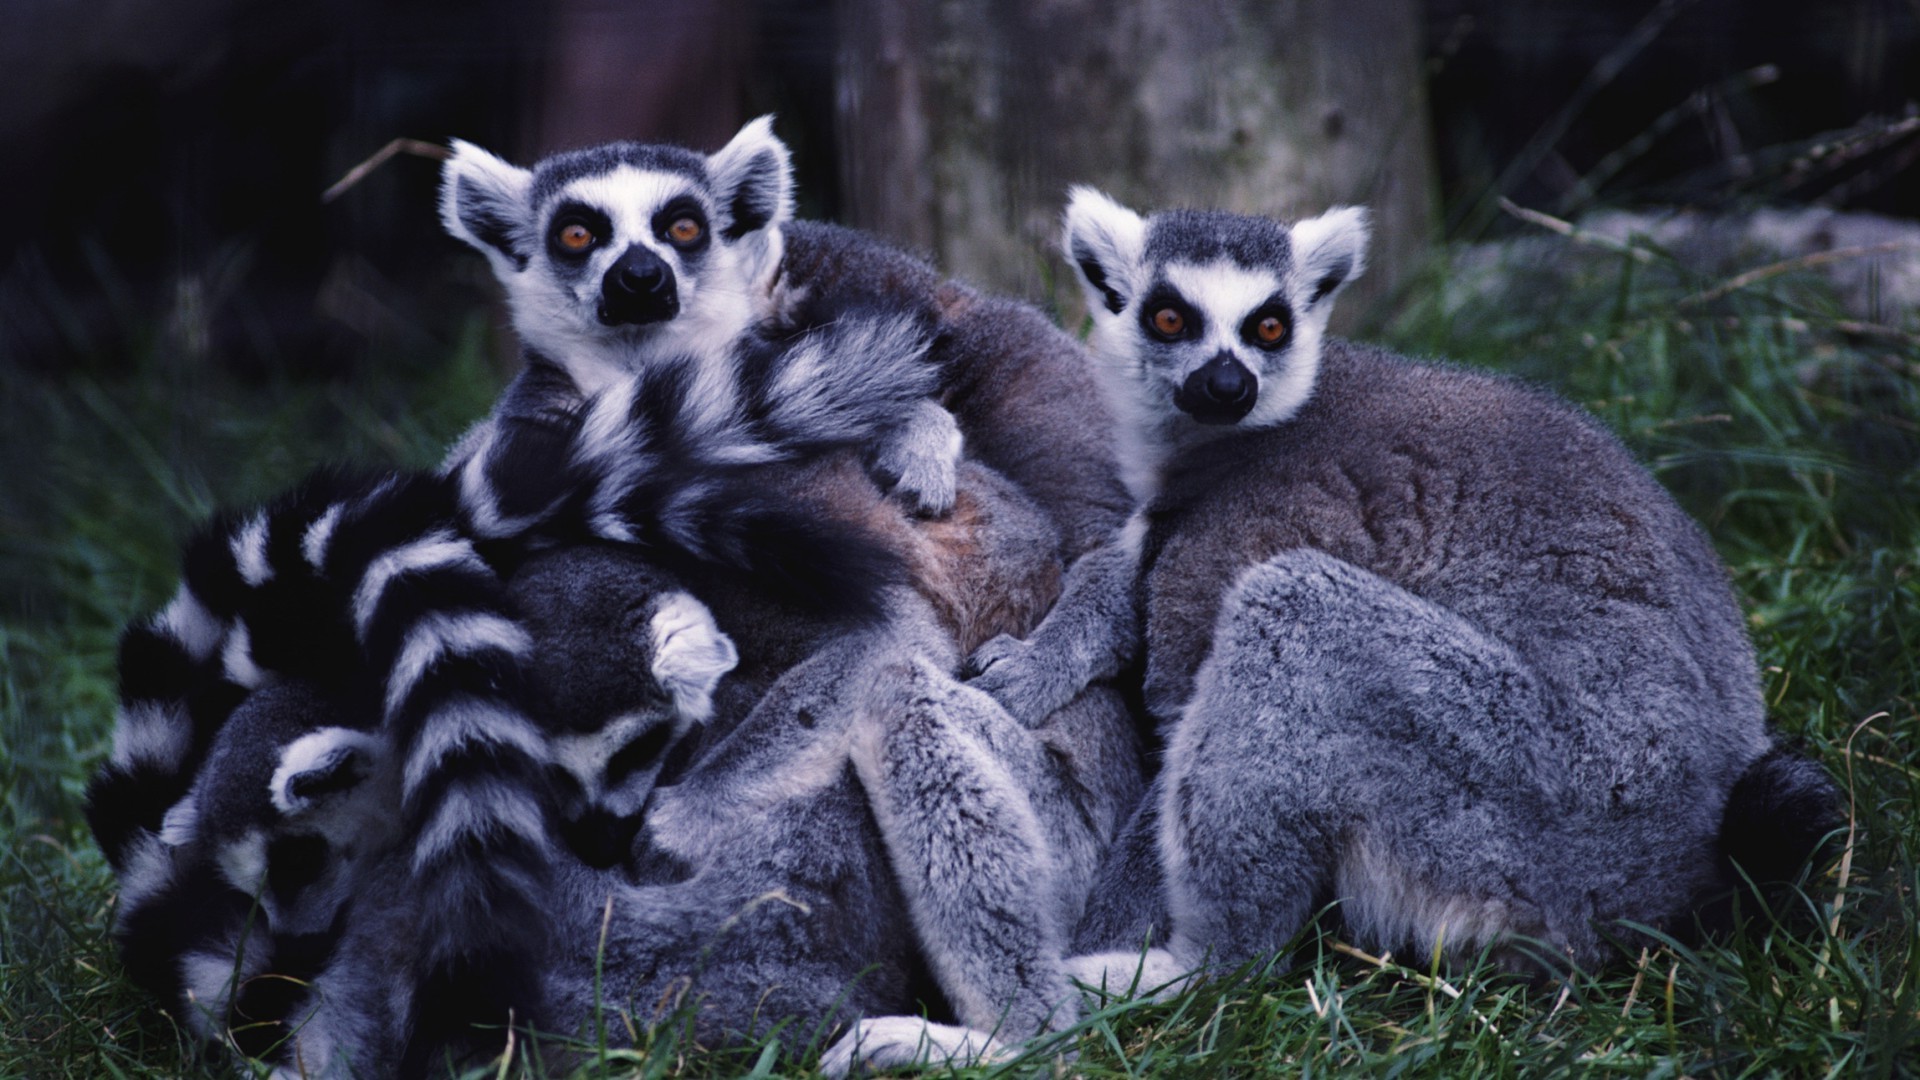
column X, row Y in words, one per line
column 1423, row 641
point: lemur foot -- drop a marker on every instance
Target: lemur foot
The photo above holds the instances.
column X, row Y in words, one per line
column 893, row 1042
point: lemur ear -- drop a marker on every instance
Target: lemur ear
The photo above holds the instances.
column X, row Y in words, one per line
column 1106, row 243
column 1331, row 250
column 752, row 178
column 690, row 654
column 483, row 201
column 319, row 765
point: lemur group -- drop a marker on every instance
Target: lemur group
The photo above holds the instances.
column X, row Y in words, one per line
column 810, row 644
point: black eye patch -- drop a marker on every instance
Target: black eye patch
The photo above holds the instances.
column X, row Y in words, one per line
column 1166, row 316
column 682, row 206
column 587, row 217
column 638, row 754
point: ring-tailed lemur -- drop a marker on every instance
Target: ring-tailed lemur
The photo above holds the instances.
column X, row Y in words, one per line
column 759, row 886
column 616, row 256
column 1426, row 641
column 389, row 580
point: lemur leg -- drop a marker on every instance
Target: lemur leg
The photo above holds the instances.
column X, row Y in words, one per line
column 1348, row 740
column 949, row 775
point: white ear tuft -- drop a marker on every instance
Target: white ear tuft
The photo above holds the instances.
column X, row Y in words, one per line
column 321, row 764
column 1331, row 250
column 483, row 201
column 1105, row 242
column 690, row 654
column 752, row 178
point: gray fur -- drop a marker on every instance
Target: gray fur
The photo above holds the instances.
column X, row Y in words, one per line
column 807, row 851
column 1430, row 644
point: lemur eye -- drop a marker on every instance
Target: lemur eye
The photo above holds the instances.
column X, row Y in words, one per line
column 576, row 237
column 684, row 230
column 1169, row 321
column 1270, row 330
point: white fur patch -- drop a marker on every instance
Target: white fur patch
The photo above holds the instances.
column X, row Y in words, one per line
column 249, row 547
column 690, row 654
column 182, row 822
column 152, row 733
column 1152, row 974
column 237, row 658
column 188, row 621
column 502, row 185
column 148, row 869
column 469, row 722
column 457, row 635
column 313, row 546
column 243, row 862
column 893, row 1042
column 477, row 809
column 310, row 752
column 1386, row 907
column 438, row 549
column 1095, row 228
column 1333, row 243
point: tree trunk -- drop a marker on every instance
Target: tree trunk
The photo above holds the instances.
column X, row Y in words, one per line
column 964, row 121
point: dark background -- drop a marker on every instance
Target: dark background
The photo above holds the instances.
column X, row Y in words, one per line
column 164, row 159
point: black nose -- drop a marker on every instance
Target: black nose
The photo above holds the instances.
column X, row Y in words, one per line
column 638, row 289
column 1221, row 391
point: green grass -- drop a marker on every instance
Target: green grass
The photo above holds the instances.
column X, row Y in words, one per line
column 1795, row 439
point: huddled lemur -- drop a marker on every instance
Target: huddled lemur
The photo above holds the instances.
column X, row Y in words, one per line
column 671, row 452
column 273, row 910
column 1424, row 641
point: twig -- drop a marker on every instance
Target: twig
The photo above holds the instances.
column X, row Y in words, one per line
column 1602, row 73
column 1385, row 963
column 1846, row 855
column 1574, row 232
column 1802, row 262
column 416, row 147
column 1696, row 103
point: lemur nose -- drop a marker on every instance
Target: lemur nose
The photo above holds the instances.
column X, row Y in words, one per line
column 638, row 289
column 1227, row 383
column 1221, row 391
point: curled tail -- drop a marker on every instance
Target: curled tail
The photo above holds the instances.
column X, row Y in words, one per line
column 687, row 471
column 184, row 670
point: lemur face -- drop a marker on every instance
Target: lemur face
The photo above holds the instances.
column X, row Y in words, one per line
column 617, row 253
column 607, row 772
column 1210, row 318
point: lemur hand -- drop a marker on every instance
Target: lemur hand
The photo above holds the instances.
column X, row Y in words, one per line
column 1020, row 678
column 920, row 459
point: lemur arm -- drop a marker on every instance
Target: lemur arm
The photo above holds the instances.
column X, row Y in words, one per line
column 1092, row 632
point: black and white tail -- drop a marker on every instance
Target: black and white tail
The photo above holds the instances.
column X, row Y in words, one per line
column 387, row 584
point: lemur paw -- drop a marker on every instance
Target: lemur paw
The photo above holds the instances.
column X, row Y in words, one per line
column 1011, row 672
column 892, row 1042
column 921, row 460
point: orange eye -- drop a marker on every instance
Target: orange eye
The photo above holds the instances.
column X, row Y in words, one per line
column 684, row 230
column 1270, row 330
column 576, row 237
column 1169, row 321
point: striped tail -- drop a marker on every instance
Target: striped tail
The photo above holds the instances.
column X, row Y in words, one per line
column 448, row 657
